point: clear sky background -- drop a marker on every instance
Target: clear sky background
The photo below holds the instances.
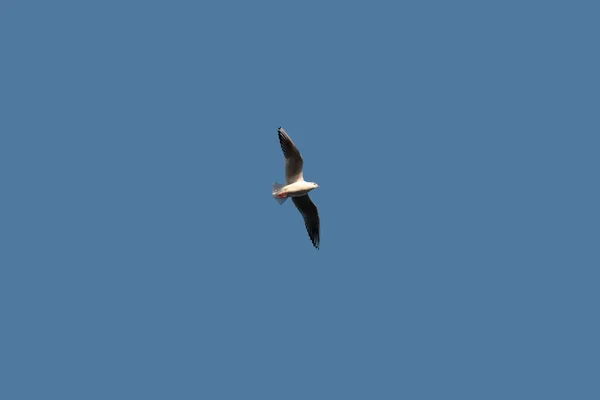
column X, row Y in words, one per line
column 456, row 145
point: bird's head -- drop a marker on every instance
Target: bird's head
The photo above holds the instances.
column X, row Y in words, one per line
column 315, row 185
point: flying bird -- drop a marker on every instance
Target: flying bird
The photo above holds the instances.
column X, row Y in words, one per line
column 297, row 188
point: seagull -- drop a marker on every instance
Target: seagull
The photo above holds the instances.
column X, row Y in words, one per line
column 297, row 188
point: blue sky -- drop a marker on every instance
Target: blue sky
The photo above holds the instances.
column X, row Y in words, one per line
column 456, row 149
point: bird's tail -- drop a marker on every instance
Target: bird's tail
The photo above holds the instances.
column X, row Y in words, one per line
column 276, row 188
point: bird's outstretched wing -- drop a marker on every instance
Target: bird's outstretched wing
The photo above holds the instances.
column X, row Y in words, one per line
column 310, row 213
column 293, row 158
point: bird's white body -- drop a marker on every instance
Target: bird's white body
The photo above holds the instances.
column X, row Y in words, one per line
column 297, row 189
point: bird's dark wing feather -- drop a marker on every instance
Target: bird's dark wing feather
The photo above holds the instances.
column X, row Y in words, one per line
column 310, row 213
column 293, row 158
